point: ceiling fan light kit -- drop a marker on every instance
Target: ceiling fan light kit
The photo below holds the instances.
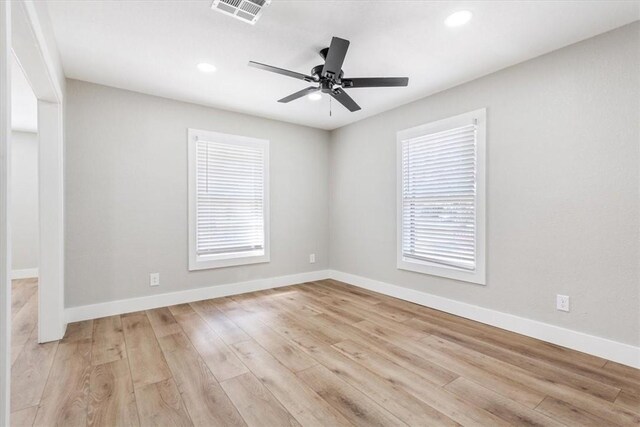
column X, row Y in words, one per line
column 329, row 77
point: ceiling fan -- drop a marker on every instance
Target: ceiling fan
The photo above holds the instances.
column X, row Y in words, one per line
column 329, row 76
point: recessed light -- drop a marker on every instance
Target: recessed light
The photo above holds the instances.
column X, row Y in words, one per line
column 315, row 96
column 206, row 68
column 458, row 18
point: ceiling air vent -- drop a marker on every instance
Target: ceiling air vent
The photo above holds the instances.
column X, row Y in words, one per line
column 244, row 10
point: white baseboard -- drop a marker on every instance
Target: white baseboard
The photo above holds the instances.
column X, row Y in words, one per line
column 26, row 273
column 111, row 308
column 597, row 346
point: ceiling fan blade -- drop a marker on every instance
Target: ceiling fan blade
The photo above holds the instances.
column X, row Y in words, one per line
column 281, row 71
column 375, row 82
column 344, row 99
column 335, row 57
column 299, row 94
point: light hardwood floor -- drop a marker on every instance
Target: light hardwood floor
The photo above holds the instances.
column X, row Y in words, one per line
column 321, row 353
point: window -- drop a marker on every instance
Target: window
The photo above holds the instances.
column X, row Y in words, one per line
column 228, row 200
column 441, row 198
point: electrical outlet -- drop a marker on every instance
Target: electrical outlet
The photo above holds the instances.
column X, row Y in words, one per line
column 312, row 258
column 562, row 302
column 154, row 279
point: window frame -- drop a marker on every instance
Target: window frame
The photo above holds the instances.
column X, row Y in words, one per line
column 478, row 275
column 229, row 259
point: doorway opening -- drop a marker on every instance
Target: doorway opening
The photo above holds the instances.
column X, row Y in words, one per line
column 24, row 214
column 25, row 35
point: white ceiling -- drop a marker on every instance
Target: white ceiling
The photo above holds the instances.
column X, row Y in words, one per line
column 153, row 47
column 24, row 105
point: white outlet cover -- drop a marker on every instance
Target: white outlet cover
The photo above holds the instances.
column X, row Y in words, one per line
column 154, row 279
column 312, row 258
column 562, row 302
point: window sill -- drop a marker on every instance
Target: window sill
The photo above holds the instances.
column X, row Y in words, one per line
column 477, row 276
column 228, row 260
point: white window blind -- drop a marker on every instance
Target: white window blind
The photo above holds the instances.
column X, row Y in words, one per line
column 229, row 200
column 439, row 196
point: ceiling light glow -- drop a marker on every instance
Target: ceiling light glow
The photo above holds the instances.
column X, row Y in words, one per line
column 206, row 68
column 458, row 18
column 314, row 96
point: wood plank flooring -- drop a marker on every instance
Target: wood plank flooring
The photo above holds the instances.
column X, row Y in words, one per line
column 316, row 354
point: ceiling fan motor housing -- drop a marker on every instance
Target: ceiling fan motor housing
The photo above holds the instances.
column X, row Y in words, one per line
column 326, row 85
column 326, row 82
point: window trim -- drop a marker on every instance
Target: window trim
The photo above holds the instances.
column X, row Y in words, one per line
column 227, row 259
column 477, row 276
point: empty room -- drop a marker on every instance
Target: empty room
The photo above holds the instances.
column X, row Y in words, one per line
column 319, row 213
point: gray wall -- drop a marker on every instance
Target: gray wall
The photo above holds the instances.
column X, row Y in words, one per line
column 563, row 190
column 126, row 194
column 24, row 200
column 562, row 184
